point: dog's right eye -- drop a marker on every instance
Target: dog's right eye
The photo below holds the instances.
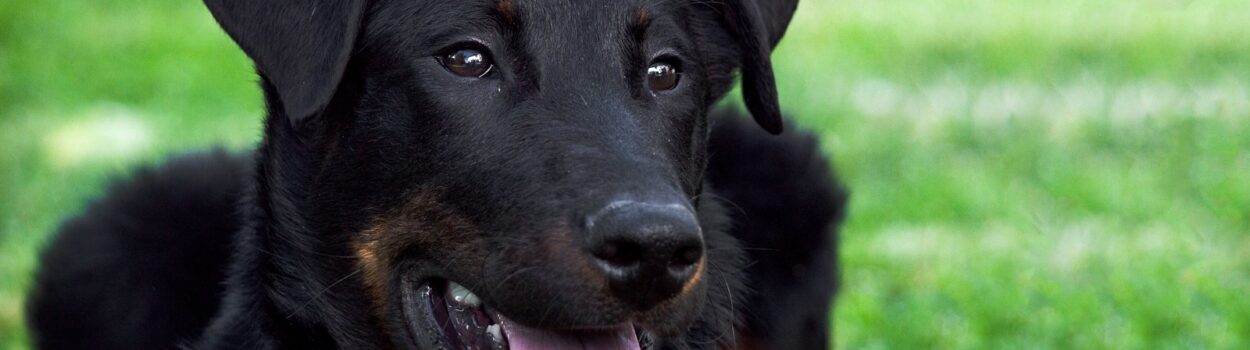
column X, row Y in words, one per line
column 467, row 62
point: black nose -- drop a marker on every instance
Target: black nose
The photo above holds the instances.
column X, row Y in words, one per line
column 648, row 251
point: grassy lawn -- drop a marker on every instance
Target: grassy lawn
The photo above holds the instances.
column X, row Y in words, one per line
column 1026, row 174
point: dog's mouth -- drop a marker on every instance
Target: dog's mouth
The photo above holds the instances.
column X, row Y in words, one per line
column 438, row 307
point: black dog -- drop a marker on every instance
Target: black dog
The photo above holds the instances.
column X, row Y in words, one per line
column 524, row 174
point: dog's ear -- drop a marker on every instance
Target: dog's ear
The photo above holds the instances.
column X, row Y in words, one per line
column 758, row 25
column 301, row 47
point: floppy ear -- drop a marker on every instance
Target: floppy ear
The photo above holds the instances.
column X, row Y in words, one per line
column 757, row 26
column 301, row 47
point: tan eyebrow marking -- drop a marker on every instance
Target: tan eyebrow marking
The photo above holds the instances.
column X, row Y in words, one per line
column 507, row 11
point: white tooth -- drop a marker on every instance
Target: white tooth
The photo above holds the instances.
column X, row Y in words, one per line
column 463, row 296
column 495, row 333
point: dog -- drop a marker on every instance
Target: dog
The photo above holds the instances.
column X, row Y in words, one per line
column 481, row 174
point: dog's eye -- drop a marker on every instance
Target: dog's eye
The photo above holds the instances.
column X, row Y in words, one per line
column 662, row 76
column 467, row 62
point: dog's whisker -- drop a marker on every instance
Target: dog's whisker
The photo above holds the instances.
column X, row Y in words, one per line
column 726, row 200
column 320, row 293
column 503, row 282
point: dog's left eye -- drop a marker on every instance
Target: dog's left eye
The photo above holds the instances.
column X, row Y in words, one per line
column 467, row 62
column 662, row 76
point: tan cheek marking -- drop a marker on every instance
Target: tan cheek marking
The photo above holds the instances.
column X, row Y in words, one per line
column 420, row 222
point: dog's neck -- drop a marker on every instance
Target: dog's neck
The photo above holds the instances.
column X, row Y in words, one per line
column 276, row 252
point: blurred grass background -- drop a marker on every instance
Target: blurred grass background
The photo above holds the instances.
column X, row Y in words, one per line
column 1026, row 174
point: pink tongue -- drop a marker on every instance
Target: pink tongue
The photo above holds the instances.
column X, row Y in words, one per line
column 525, row 338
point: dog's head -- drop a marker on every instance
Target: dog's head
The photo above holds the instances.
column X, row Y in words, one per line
column 520, row 172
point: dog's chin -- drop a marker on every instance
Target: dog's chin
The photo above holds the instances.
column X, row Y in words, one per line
column 442, row 314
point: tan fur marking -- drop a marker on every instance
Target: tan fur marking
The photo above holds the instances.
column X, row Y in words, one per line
column 375, row 277
column 558, row 243
column 698, row 276
column 507, row 11
column 420, row 223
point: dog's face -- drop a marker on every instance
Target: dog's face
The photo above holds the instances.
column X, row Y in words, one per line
column 518, row 173
column 548, row 171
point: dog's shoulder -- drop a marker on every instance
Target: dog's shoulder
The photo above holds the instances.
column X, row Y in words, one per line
column 155, row 242
column 786, row 204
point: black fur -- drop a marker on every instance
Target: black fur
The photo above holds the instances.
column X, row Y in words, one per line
column 387, row 170
column 143, row 266
column 780, row 205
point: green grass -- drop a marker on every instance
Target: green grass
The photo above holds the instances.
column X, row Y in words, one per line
column 1025, row 174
